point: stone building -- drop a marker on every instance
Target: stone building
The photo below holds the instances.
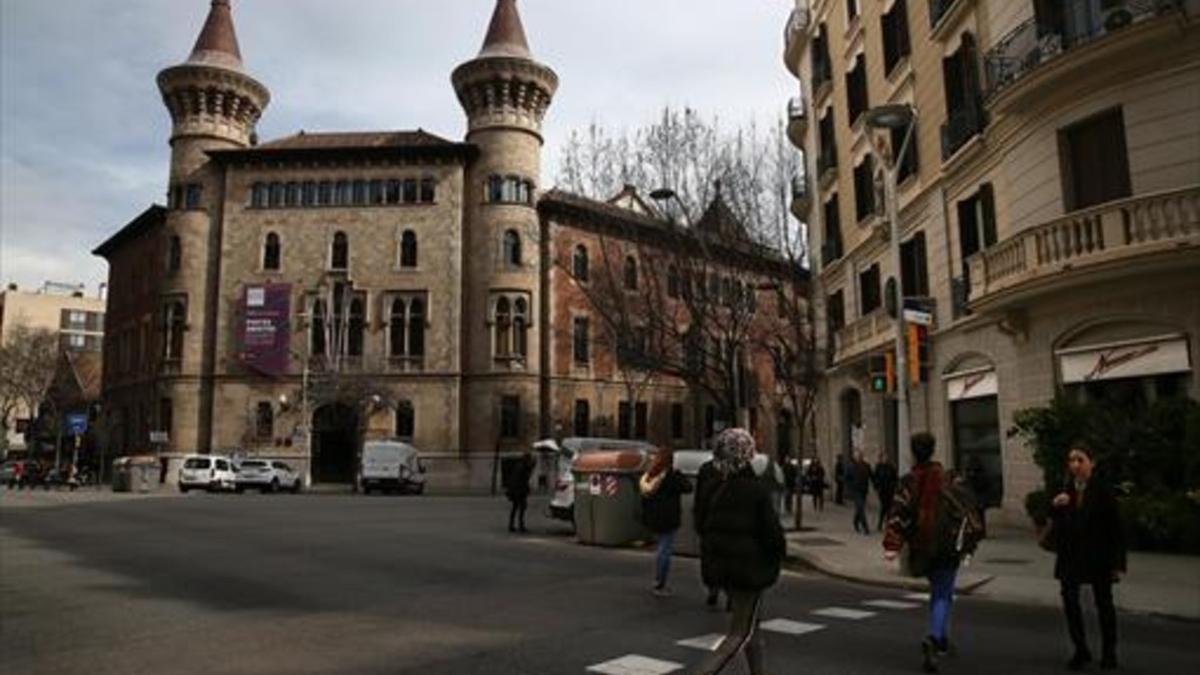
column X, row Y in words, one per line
column 1049, row 211
column 312, row 291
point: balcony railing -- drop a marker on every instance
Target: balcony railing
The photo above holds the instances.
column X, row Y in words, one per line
column 962, row 125
column 1032, row 44
column 1116, row 232
column 801, row 197
column 865, row 334
column 794, row 36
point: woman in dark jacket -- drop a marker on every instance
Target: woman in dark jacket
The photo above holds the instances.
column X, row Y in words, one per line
column 1091, row 550
column 741, row 545
column 662, row 489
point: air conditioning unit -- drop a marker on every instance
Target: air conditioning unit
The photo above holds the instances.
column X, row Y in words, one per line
column 1115, row 14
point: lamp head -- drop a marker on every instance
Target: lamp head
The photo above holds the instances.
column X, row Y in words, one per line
column 891, row 116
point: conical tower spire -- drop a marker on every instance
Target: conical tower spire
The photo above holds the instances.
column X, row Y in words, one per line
column 217, row 44
column 506, row 35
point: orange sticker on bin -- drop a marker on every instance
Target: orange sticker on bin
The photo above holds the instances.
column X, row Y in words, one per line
column 617, row 460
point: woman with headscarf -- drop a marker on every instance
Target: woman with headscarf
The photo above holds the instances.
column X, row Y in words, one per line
column 741, row 545
column 662, row 488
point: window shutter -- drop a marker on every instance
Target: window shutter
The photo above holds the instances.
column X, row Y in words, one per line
column 987, row 204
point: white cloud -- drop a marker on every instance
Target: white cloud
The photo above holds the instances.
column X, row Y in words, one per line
column 83, row 138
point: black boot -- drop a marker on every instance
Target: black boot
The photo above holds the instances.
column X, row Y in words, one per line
column 1081, row 658
column 929, row 654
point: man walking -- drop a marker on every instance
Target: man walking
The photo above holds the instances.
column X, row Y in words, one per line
column 860, row 486
column 839, row 479
column 886, row 479
column 936, row 519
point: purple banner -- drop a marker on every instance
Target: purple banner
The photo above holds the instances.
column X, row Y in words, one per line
column 265, row 333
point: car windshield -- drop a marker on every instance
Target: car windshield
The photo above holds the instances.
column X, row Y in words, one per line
column 281, row 466
column 253, row 464
column 196, row 463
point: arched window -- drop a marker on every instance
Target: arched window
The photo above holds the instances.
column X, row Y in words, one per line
column 523, row 191
column 308, row 193
column 428, row 190
column 393, row 192
column 503, row 327
column 174, row 254
column 495, row 189
column 509, row 190
column 359, row 193
column 672, row 282
column 512, row 248
column 520, row 326
column 375, row 192
column 271, row 252
column 579, row 263
column 293, row 194
column 408, row 249
column 397, row 345
column 354, row 340
column 410, row 191
column 631, row 274
column 259, row 195
column 345, row 193
column 406, row 420
column 339, row 257
column 416, row 328
column 317, row 342
column 176, row 322
column 324, row 193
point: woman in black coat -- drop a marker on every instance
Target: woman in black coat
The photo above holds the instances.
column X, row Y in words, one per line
column 741, row 545
column 1091, row 550
column 662, row 488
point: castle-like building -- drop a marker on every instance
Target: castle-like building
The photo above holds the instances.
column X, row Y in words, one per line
column 417, row 271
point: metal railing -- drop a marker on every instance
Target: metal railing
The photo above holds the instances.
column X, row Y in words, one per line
column 1032, row 44
column 800, row 187
column 962, row 125
column 1116, row 230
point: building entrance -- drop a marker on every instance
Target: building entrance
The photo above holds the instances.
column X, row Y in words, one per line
column 335, row 444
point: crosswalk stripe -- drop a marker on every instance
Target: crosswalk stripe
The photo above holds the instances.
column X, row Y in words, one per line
column 923, row 597
column 789, row 627
column 891, row 604
column 843, row 613
column 634, row 664
column 708, row 643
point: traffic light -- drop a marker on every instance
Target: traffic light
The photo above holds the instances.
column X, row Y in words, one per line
column 882, row 369
column 918, row 353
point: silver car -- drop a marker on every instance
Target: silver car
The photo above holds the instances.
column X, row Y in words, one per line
column 267, row 476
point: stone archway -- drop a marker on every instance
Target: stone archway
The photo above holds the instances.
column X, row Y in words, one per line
column 335, row 436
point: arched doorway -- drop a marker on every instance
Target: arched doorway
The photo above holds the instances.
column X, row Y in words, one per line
column 335, row 443
column 852, row 426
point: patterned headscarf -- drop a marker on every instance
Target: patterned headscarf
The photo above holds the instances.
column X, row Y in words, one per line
column 733, row 450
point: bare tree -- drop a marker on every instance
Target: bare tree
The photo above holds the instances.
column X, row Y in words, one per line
column 28, row 361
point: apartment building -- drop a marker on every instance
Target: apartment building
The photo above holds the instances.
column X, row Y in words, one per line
column 1049, row 211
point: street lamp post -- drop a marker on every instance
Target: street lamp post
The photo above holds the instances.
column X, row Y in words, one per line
column 897, row 116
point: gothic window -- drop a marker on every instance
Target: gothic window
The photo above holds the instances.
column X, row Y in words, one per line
column 503, row 327
column 495, row 189
column 308, row 193
column 324, row 193
column 397, row 344
column 264, row 421
column 293, row 194
column 410, row 190
column 355, row 329
column 259, row 195
column 406, row 420
column 176, row 322
column 359, row 194
column 416, row 328
column 520, row 327
column 375, row 192
column 631, row 274
column 345, row 193
column 428, row 190
column 579, row 263
column 271, row 251
column 581, row 341
column 408, row 249
column 339, row 258
column 278, row 191
column 393, row 192
column 174, row 254
column 317, row 343
column 509, row 190
column 512, row 248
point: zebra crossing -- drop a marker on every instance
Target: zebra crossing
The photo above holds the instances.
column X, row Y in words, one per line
column 638, row 664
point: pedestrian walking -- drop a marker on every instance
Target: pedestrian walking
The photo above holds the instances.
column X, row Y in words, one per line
column 817, row 483
column 662, row 488
column 791, row 481
column 706, row 477
column 886, row 478
column 839, row 479
column 517, row 490
column 1090, row 545
column 935, row 519
column 741, row 547
column 859, row 484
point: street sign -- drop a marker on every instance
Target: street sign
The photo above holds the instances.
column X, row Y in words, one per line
column 77, row 424
column 918, row 317
column 159, row 437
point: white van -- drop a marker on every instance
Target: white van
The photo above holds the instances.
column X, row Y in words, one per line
column 207, row 472
column 391, row 466
column 562, row 506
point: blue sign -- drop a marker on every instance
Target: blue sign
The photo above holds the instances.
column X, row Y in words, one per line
column 77, row 423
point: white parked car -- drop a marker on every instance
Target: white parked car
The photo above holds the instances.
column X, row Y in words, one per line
column 562, row 506
column 267, row 475
column 207, row 472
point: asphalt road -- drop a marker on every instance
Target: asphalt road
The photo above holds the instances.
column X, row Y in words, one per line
column 293, row 585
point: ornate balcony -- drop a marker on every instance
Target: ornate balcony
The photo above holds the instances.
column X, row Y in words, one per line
column 801, row 198
column 797, row 121
column 1120, row 238
column 864, row 335
column 1036, row 55
column 795, row 35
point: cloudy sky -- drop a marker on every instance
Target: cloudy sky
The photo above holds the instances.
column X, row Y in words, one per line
column 83, row 133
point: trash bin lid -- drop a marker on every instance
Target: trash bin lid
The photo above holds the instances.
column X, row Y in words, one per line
column 610, row 461
column 688, row 462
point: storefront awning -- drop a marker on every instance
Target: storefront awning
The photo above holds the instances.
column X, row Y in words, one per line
column 972, row 384
column 1133, row 358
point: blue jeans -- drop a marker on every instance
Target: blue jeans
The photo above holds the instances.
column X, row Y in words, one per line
column 662, row 558
column 941, row 597
column 860, row 514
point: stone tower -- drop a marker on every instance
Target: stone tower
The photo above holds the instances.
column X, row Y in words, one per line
column 214, row 105
column 505, row 94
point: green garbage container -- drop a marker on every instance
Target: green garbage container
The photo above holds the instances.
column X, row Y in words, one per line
column 688, row 462
column 607, row 503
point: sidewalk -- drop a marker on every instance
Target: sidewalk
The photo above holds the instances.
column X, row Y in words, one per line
column 1008, row 566
column 39, row 498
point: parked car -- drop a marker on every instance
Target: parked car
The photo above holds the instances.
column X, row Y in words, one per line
column 207, row 472
column 391, row 466
column 267, row 476
column 562, row 505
